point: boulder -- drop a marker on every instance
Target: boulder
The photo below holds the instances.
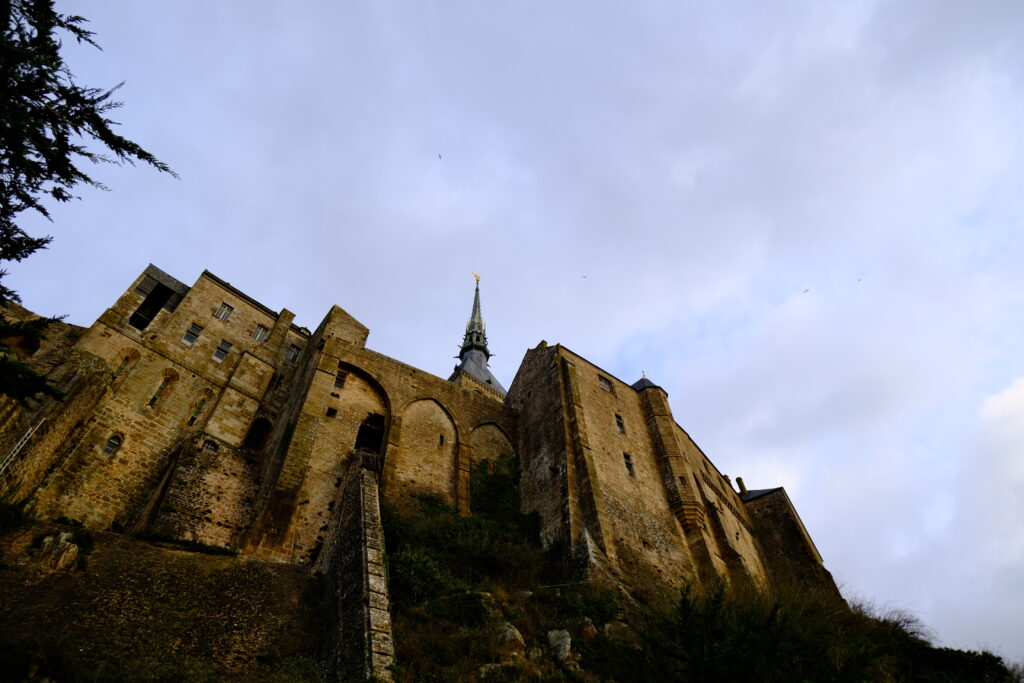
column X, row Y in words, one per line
column 588, row 631
column 510, row 640
column 58, row 552
column 561, row 644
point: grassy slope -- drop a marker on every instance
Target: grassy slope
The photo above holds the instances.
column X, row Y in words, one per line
column 135, row 611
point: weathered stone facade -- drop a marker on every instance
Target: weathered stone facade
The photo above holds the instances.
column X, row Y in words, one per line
column 198, row 413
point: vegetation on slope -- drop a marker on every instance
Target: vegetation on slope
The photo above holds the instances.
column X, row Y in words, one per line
column 456, row 582
column 136, row 611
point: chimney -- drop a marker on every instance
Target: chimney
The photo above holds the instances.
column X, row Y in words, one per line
column 743, row 487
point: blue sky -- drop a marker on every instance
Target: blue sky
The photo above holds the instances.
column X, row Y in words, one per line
column 802, row 219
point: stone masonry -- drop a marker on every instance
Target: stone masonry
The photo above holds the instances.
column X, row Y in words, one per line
column 198, row 413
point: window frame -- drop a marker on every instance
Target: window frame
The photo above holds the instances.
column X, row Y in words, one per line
column 195, row 335
column 223, row 347
column 110, row 451
column 224, row 312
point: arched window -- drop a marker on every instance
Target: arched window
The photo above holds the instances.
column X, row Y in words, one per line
column 371, row 433
column 163, row 388
column 128, row 357
column 195, row 413
column 113, row 443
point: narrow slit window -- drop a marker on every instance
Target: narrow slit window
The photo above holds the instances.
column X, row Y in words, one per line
column 261, row 334
column 122, row 366
column 159, row 390
column 113, row 443
column 222, row 350
column 440, row 440
column 224, row 312
column 192, row 334
column 292, row 354
column 196, row 412
column 620, row 425
column 339, row 379
column 628, row 460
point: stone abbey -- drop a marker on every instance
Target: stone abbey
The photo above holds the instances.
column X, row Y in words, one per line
column 200, row 414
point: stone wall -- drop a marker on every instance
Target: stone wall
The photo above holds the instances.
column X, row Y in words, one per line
column 359, row 643
column 199, row 413
column 789, row 553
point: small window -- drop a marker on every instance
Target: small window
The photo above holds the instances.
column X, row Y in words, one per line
column 113, row 443
column 682, row 482
column 224, row 312
column 628, row 460
column 440, row 440
column 192, row 335
column 292, row 354
column 339, row 379
column 196, row 412
column 209, row 445
column 261, row 334
column 620, row 425
column 222, row 350
column 159, row 390
column 332, row 412
column 122, row 366
column 605, row 383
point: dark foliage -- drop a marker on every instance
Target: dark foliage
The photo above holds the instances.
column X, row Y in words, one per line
column 49, row 126
column 454, row 579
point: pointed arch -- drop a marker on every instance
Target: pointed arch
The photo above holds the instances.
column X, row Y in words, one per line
column 487, row 441
column 425, row 460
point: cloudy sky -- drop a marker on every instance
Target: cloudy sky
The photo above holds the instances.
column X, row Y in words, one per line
column 803, row 219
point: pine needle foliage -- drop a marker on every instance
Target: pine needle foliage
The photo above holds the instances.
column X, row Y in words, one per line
column 50, row 126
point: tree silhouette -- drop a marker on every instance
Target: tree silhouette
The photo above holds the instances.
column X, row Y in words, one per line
column 49, row 127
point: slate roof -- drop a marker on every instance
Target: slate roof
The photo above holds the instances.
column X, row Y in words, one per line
column 474, row 353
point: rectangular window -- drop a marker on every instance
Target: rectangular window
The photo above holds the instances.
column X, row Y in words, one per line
column 339, row 379
column 150, row 306
column 628, row 459
column 192, row 334
column 224, row 312
column 292, row 354
column 605, row 383
column 222, row 350
column 261, row 334
column 620, row 425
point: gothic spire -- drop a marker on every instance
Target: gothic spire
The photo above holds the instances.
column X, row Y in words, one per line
column 474, row 354
column 476, row 331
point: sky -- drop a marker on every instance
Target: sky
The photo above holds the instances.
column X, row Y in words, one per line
column 804, row 220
